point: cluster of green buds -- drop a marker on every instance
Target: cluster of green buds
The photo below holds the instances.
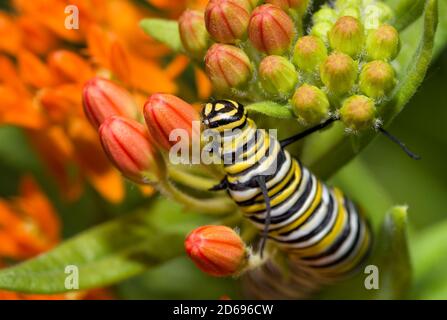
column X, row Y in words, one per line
column 258, row 50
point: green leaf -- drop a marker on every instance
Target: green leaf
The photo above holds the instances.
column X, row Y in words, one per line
column 392, row 256
column 271, row 109
column 430, row 262
column 109, row 253
column 441, row 33
column 407, row 11
column 418, row 67
column 334, row 145
column 178, row 279
column 165, row 31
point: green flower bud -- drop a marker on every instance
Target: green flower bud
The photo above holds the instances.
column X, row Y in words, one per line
column 377, row 79
column 310, row 104
column 325, row 14
column 375, row 14
column 347, row 36
column 358, row 113
column 339, row 73
column 228, row 67
column 193, row 33
column 299, row 6
column 342, row 4
column 350, row 12
column 321, row 30
column 309, row 53
column 383, row 43
column 278, row 76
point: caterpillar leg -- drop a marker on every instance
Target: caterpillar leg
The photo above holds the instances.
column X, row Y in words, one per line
column 302, row 135
column 223, row 185
column 263, row 186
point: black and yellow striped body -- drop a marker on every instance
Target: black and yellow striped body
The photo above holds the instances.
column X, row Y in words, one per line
column 320, row 229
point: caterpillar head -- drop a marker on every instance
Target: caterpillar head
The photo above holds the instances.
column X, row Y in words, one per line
column 223, row 115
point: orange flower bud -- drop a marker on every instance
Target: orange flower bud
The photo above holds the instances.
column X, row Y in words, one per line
column 216, row 250
column 227, row 20
column 271, row 30
column 228, row 67
column 127, row 144
column 103, row 99
column 164, row 113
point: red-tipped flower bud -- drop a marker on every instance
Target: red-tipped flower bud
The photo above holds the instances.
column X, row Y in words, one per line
column 195, row 38
column 347, row 36
column 271, row 30
column 164, row 113
column 103, row 99
column 127, row 144
column 278, row 76
column 310, row 104
column 300, row 6
column 382, row 43
column 227, row 20
column 228, row 67
column 309, row 53
column 339, row 73
column 377, row 79
column 358, row 113
column 216, row 250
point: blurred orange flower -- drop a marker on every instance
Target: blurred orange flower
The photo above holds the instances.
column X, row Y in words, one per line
column 29, row 225
column 43, row 66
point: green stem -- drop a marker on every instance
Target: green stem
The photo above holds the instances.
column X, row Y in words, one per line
column 191, row 180
column 216, row 206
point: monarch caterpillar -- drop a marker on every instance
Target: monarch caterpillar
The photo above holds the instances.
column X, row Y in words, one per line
column 323, row 232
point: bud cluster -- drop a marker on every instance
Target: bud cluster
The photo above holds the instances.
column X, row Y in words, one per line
column 132, row 146
column 260, row 51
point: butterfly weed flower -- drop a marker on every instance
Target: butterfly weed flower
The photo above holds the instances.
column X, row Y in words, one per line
column 130, row 148
column 382, row 43
column 102, row 99
column 271, row 30
column 228, row 67
column 347, row 36
column 193, row 33
column 217, row 250
column 278, row 76
column 164, row 113
column 339, row 73
column 310, row 51
column 377, row 79
column 310, row 104
column 227, row 20
column 358, row 113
